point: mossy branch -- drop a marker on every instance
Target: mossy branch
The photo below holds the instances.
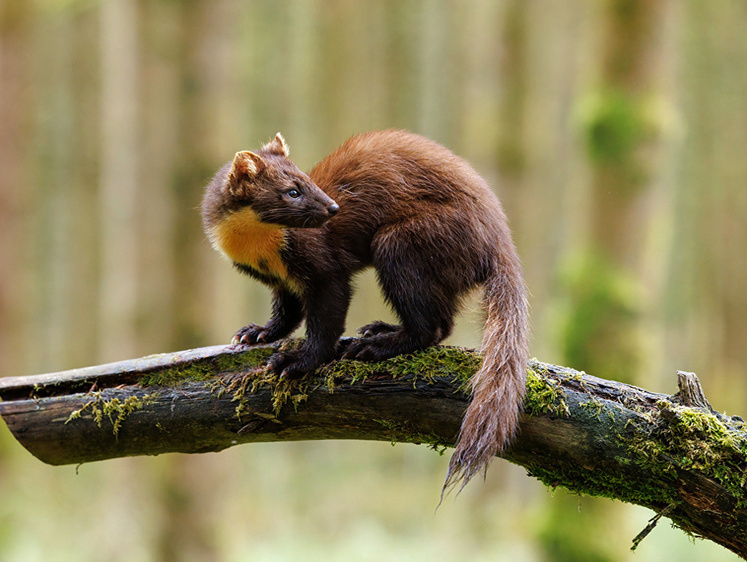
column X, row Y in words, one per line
column 672, row 454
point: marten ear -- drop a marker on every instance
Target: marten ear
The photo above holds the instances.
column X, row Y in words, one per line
column 247, row 165
column 277, row 146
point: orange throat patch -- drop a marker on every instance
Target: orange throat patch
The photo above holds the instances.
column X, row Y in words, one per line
column 244, row 239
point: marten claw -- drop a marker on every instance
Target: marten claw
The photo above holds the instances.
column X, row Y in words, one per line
column 291, row 371
column 250, row 334
column 246, row 339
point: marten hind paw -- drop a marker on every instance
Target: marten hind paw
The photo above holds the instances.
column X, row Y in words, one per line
column 376, row 328
column 369, row 349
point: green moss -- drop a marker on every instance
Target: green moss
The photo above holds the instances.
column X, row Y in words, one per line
column 249, row 359
column 394, row 427
column 436, row 361
column 207, row 369
column 425, row 365
column 351, row 371
column 282, row 390
column 695, row 440
column 595, row 408
column 113, row 409
column 544, row 396
column 173, row 376
column 610, row 484
column 402, row 432
column 661, row 445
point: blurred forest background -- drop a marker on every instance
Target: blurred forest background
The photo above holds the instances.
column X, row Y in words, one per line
column 615, row 133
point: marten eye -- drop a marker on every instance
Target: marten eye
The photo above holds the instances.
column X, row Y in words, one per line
column 294, row 193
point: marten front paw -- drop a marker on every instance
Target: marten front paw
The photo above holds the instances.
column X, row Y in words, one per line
column 251, row 334
column 292, row 364
column 376, row 328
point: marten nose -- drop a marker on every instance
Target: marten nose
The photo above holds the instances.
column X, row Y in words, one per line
column 333, row 208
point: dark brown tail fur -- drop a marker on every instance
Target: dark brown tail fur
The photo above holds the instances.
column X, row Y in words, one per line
column 499, row 386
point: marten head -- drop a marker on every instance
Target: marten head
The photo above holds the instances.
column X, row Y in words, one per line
column 274, row 188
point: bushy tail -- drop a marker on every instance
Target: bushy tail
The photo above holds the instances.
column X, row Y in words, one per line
column 498, row 387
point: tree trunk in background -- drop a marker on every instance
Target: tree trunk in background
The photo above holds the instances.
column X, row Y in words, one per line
column 511, row 148
column 53, row 243
column 15, row 49
column 160, row 154
column 707, row 306
column 550, row 204
column 119, row 178
column 121, row 201
column 193, row 171
column 432, row 70
column 731, row 163
column 605, row 284
column 85, row 257
column 400, row 62
column 202, row 70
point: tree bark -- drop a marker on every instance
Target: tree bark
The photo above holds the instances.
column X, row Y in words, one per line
column 673, row 454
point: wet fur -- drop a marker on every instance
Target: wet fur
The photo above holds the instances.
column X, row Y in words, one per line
column 432, row 229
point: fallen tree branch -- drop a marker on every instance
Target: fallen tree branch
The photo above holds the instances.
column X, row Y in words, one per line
column 587, row 434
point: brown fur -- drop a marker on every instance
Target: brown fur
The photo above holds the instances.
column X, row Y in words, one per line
column 428, row 224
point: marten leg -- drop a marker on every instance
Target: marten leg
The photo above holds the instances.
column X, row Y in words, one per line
column 422, row 276
column 419, row 329
column 426, row 313
column 287, row 313
column 326, row 308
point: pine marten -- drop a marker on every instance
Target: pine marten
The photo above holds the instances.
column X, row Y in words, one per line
column 429, row 225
